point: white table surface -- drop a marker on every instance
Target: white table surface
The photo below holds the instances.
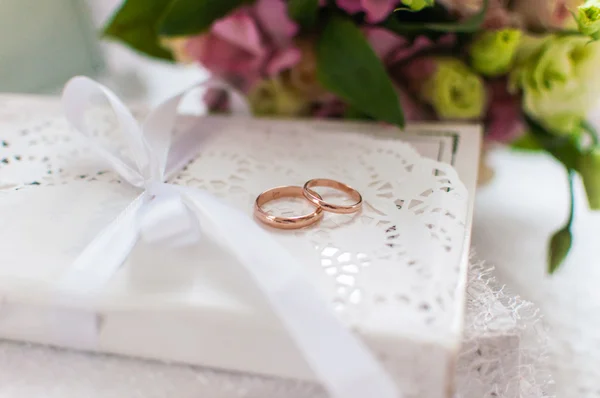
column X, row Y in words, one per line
column 514, row 217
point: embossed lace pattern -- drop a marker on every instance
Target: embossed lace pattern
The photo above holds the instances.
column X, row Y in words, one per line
column 407, row 240
column 400, row 255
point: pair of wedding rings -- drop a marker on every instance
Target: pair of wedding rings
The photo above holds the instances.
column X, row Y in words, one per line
column 307, row 192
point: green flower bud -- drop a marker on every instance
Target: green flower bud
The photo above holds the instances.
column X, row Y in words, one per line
column 560, row 245
column 274, row 98
column 417, row 5
column 558, row 76
column 454, row 91
column 588, row 18
column 493, row 52
column 589, row 168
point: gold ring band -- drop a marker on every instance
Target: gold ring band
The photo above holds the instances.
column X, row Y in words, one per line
column 317, row 200
column 285, row 222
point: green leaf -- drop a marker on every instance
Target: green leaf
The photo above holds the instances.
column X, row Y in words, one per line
column 189, row 17
column 414, row 5
column 526, row 142
column 469, row 25
column 564, row 148
column 352, row 113
column 591, row 131
column 304, row 12
column 135, row 24
column 348, row 67
column 567, row 150
column 560, row 245
column 561, row 241
column 589, row 168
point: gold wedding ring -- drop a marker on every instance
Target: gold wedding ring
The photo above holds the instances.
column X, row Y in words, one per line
column 313, row 197
column 317, row 200
column 284, row 222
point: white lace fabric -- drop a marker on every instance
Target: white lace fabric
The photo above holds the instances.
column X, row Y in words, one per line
column 393, row 272
column 505, row 348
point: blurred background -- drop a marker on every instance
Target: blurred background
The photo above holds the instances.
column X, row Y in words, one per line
column 44, row 43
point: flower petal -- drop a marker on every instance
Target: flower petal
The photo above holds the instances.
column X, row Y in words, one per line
column 384, row 42
column 350, row 6
column 283, row 59
column 378, row 10
column 275, row 21
column 240, row 30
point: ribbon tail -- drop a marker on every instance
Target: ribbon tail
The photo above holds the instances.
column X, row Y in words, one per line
column 105, row 254
column 340, row 360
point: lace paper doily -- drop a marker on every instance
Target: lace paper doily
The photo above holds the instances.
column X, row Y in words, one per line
column 392, row 270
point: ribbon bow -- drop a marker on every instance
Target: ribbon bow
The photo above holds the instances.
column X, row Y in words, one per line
column 169, row 214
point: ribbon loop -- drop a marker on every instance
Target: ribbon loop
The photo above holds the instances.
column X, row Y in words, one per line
column 77, row 97
column 158, row 126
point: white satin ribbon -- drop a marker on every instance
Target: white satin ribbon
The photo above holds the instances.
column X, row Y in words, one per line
column 168, row 214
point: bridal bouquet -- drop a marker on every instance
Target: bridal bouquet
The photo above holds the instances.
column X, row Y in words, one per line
column 526, row 69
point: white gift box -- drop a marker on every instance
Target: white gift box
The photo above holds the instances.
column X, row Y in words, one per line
column 497, row 358
column 396, row 278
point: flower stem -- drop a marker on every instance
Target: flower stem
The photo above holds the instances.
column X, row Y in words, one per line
column 561, row 241
column 572, row 198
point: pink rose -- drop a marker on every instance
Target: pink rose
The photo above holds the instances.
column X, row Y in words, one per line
column 498, row 13
column 394, row 49
column 404, row 59
column 416, row 72
column 504, row 117
column 333, row 107
column 251, row 43
column 498, row 16
column 546, row 13
column 385, row 43
column 462, row 7
column 330, row 107
column 414, row 110
column 376, row 10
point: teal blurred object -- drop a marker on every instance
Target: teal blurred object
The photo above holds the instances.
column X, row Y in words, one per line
column 45, row 42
